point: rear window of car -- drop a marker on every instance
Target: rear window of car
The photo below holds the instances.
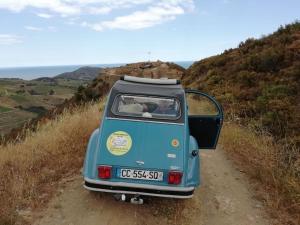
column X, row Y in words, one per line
column 146, row 107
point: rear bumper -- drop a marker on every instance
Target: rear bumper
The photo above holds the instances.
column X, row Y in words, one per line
column 140, row 189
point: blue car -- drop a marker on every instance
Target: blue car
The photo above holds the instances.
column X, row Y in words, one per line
column 149, row 138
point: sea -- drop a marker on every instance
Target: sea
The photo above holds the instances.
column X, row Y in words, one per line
column 29, row 73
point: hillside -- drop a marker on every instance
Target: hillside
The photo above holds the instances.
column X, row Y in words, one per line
column 259, row 82
column 83, row 73
column 23, row 100
column 107, row 77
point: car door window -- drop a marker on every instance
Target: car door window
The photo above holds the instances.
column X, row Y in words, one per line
column 205, row 118
column 201, row 105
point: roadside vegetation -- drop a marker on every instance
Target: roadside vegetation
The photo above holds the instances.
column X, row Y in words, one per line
column 259, row 87
column 29, row 170
column 274, row 176
column 258, row 81
column 4, row 109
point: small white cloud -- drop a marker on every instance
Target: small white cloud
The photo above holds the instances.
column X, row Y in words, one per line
column 154, row 15
column 73, row 21
column 154, row 11
column 99, row 10
column 32, row 28
column 10, row 39
column 143, row 19
column 48, row 28
column 44, row 15
column 63, row 7
column 67, row 8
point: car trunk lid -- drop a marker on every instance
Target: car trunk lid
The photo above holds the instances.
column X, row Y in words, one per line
column 142, row 145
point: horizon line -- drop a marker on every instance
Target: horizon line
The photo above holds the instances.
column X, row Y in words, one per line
column 93, row 64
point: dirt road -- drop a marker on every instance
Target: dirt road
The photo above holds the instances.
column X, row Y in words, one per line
column 224, row 198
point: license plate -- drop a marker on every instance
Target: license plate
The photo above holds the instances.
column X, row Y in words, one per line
column 141, row 174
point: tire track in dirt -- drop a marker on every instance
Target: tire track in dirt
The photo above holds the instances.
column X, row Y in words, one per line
column 224, row 198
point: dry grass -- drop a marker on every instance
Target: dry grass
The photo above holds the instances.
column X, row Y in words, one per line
column 29, row 170
column 273, row 168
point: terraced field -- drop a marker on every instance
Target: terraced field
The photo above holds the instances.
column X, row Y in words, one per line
column 22, row 100
column 13, row 119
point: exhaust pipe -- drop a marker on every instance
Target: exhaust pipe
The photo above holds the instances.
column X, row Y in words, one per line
column 120, row 197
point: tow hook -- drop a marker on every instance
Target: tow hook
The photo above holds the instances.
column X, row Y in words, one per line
column 137, row 200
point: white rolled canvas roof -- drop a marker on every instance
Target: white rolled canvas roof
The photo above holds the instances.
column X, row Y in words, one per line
column 144, row 80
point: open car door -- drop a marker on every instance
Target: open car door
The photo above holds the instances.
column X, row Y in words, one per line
column 205, row 117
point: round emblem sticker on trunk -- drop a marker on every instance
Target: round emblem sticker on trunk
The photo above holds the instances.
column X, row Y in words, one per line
column 119, row 143
column 175, row 143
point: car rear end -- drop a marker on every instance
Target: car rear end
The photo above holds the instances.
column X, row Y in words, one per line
column 140, row 148
column 154, row 164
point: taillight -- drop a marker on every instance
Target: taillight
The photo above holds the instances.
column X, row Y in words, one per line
column 174, row 177
column 104, row 172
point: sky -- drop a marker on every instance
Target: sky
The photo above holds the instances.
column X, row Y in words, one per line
column 69, row 32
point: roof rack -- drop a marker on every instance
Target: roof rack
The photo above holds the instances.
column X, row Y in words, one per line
column 144, row 80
